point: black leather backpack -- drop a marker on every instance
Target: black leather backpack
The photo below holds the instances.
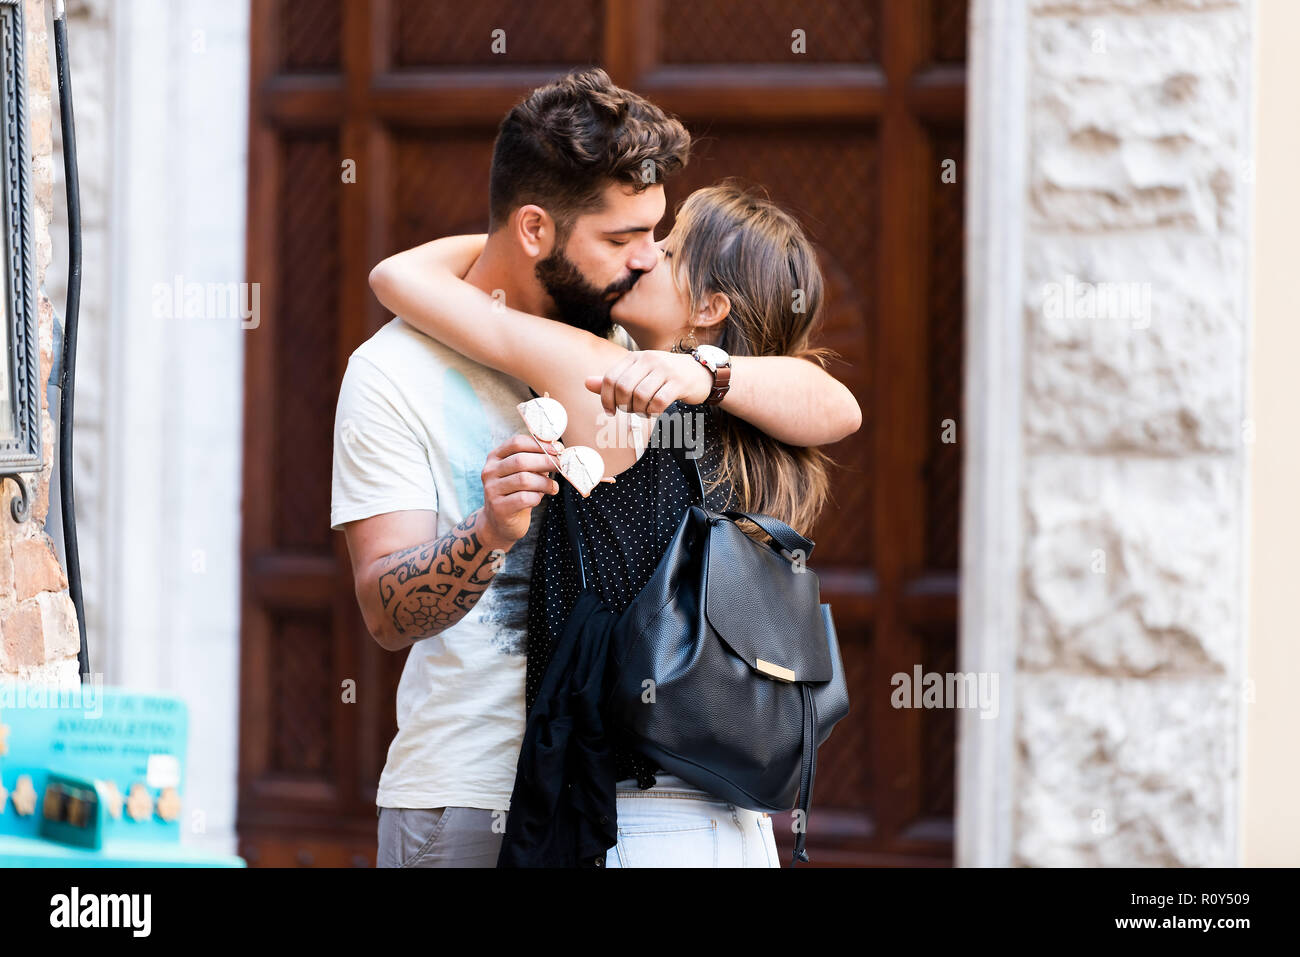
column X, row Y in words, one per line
column 725, row 668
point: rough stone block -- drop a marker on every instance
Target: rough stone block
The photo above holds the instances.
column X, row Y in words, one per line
column 1139, row 122
column 1120, row 773
column 36, row 567
column 1136, row 343
column 20, row 632
column 1132, row 566
column 59, row 625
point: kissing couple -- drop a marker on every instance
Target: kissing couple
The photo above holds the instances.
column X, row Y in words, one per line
column 512, row 404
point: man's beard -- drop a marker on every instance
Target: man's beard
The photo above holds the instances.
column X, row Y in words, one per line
column 580, row 304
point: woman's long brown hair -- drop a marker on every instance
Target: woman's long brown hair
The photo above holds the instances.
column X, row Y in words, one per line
column 730, row 240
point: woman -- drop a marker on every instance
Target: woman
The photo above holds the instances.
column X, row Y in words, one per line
column 738, row 273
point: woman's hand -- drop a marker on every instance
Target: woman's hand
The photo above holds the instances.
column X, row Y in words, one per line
column 648, row 382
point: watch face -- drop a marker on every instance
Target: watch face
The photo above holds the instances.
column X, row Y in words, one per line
column 714, row 356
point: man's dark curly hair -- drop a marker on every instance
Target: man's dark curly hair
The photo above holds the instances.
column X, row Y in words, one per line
column 561, row 145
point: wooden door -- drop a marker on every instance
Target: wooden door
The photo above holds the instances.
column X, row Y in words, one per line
column 851, row 135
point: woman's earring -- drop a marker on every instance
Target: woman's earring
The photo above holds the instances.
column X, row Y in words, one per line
column 690, row 337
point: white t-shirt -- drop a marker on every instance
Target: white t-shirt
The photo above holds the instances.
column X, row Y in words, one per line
column 414, row 425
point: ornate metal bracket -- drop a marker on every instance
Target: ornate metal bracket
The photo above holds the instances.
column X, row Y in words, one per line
column 20, row 507
column 20, row 385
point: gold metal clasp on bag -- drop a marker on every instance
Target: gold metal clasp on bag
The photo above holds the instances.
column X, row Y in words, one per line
column 773, row 671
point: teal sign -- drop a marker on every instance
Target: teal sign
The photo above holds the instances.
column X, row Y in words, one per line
column 94, row 768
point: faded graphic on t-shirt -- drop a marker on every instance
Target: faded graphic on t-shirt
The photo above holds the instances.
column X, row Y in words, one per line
column 468, row 437
column 504, row 606
column 469, row 440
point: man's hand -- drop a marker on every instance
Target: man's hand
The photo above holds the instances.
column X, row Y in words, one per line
column 649, row 381
column 516, row 476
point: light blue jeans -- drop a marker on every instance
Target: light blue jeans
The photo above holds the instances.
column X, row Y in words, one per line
column 674, row 824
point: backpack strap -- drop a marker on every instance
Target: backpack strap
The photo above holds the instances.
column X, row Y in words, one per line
column 808, row 774
column 571, row 520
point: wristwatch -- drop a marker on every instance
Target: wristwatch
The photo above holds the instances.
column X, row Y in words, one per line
column 719, row 365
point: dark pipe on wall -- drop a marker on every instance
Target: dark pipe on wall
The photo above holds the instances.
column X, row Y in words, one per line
column 68, row 360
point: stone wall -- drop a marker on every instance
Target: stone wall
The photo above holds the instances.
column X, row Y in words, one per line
column 1130, row 680
column 38, row 626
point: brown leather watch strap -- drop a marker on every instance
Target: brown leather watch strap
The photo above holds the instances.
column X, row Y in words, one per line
column 721, row 383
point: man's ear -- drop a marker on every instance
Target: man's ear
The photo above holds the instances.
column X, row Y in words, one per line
column 534, row 230
column 714, row 310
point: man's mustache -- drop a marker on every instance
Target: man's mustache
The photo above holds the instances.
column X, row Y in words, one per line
column 616, row 290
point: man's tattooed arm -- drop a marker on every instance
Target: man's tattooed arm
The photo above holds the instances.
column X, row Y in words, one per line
column 430, row 587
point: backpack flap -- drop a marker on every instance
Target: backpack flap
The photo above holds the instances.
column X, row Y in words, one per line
column 766, row 611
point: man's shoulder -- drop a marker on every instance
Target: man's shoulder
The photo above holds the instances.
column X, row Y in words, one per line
column 417, row 374
column 399, row 349
column 398, row 340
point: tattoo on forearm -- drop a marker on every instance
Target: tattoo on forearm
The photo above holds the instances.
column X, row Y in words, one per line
column 429, row 587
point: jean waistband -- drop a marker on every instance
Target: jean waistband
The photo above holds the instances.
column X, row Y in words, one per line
column 666, row 785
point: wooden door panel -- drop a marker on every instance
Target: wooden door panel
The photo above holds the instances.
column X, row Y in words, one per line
column 759, row 31
column 309, row 34
column 944, row 358
column 849, row 136
column 442, row 33
column 306, row 331
column 440, row 184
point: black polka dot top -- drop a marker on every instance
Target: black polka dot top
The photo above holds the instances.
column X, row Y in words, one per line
column 625, row 527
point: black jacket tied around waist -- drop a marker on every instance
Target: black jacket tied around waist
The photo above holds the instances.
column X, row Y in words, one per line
column 562, row 808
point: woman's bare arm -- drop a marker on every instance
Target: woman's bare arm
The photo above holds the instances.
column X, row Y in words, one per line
column 424, row 286
column 793, row 400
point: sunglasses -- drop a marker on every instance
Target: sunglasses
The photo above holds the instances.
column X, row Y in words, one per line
column 581, row 465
